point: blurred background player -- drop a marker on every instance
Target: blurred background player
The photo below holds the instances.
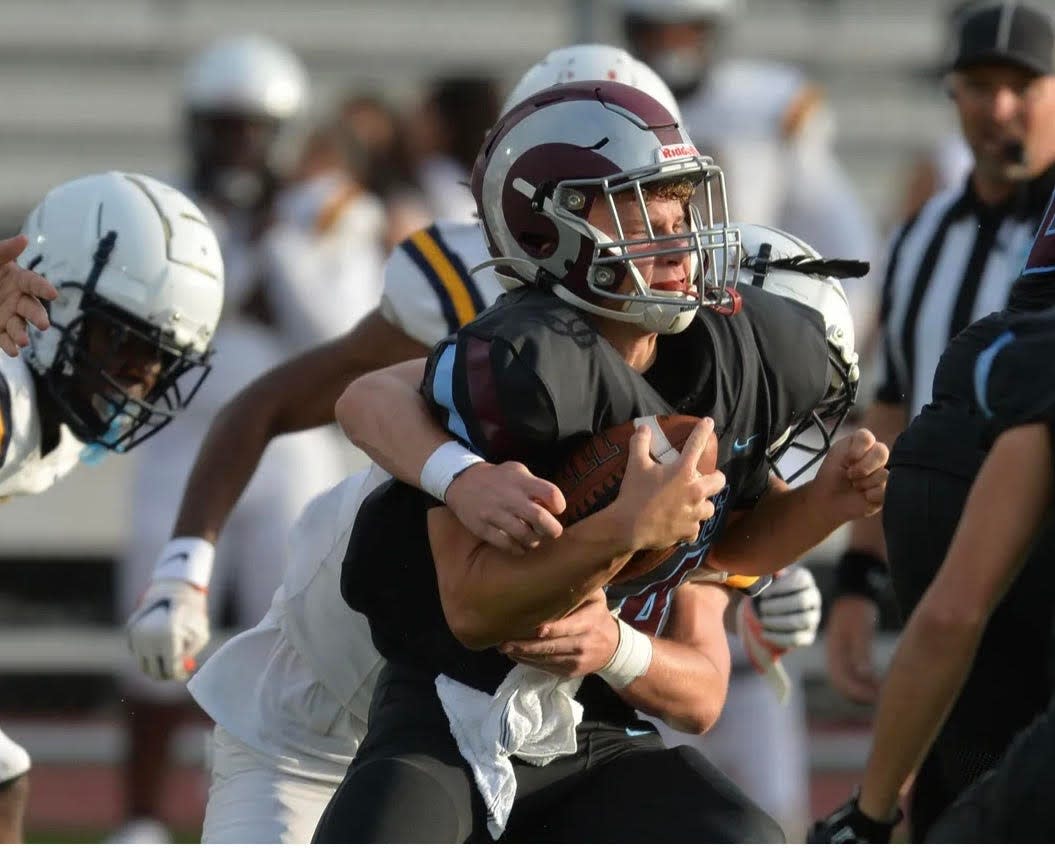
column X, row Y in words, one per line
column 302, row 240
column 455, row 115
column 767, row 125
column 140, row 289
column 382, row 139
column 951, row 264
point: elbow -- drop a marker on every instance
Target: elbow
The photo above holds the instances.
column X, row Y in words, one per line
column 698, row 713
column 697, row 720
column 945, row 623
column 471, row 630
column 349, row 409
column 468, row 622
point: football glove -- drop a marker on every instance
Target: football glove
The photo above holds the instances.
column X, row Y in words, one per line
column 785, row 615
column 171, row 624
column 167, row 630
column 849, row 825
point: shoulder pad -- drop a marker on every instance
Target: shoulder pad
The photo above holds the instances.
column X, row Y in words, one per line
column 428, row 290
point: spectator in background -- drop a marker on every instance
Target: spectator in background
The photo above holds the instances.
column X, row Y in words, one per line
column 953, row 263
column 455, row 116
column 302, row 244
column 379, row 135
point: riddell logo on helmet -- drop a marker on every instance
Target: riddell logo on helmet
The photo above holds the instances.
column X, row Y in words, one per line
column 672, row 152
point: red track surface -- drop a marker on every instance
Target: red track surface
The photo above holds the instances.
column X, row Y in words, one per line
column 89, row 797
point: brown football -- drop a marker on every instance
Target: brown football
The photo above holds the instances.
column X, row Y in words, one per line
column 591, row 475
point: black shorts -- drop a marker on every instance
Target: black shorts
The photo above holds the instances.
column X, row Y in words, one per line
column 1009, row 683
column 409, row 784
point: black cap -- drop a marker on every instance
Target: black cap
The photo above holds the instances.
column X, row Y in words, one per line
column 1006, row 32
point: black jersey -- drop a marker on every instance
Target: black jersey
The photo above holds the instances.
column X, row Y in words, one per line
column 531, row 375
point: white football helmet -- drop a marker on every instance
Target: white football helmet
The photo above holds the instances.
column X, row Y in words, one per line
column 248, row 74
column 549, row 159
column 787, row 266
column 242, row 99
column 591, row 62
column 134, row 262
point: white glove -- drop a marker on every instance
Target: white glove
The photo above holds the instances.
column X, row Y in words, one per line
column 171, row 625
column 789, row 609
column 785, row 615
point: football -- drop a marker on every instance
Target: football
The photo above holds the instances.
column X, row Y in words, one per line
column 592, row 473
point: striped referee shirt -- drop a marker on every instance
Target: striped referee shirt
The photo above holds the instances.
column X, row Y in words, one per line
column 951, row 264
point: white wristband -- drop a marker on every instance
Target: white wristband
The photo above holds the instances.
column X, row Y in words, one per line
column 188, row 559
column 446, row 462
column 631, row 658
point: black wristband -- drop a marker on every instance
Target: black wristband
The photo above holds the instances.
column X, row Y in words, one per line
column 860, row 573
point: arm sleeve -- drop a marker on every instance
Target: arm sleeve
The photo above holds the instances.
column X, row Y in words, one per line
column 1014, row 381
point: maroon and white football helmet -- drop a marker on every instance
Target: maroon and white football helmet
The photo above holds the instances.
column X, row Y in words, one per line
column 552, row 157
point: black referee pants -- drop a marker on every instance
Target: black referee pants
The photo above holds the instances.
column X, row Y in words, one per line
column 1009, row 683
column 409, row 784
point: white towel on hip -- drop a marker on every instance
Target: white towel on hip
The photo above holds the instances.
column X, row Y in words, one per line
column 532, row 716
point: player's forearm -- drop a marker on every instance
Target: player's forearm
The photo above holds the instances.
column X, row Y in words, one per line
column 688, row 677
column 780, row 528
column 490, row 596
column 928, row 670
column 385, row 416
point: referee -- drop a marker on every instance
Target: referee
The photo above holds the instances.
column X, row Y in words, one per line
column 950, row 264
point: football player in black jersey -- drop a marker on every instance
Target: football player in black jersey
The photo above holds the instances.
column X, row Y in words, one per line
column 561, row 173
column 972, row 564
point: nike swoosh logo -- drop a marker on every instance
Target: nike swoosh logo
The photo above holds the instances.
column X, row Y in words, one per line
column 182, row 555
column 739, row 446
column 161, row 604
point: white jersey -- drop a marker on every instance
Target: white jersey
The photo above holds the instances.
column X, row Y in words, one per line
column 23, row 470
column 771, row 132
column 429, row 292
column 309, row 639
column 310, row 634
column 324, row 258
